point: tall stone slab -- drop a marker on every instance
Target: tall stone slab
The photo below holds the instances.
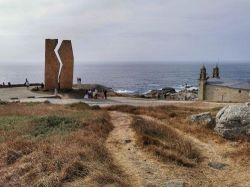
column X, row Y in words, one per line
column 52, row 65
column 67, row 57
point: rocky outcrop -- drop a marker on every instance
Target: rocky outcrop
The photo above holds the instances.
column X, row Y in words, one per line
column 171, row 94
column 233, row 121
column 204, row 119
column 160, row 94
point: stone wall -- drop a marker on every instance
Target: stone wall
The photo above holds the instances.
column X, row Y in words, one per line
column 225, row 94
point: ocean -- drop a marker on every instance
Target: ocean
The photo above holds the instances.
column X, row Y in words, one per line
column 129, row 78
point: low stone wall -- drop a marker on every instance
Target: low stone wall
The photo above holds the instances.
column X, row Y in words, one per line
column 225, row 94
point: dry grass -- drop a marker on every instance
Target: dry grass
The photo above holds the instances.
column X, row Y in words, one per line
column 165, row 142
column 50, row 145
column 159, row 112
column 177, row 117
column 242, row 153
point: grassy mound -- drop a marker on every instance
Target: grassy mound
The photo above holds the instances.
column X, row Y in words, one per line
column 165, row 142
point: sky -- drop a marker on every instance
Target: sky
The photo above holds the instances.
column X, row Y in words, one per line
column 129, row 31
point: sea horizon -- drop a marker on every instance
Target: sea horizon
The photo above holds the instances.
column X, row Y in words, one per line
column 129, row 78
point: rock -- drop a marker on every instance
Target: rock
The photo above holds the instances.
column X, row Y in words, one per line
column 160, row 94
column 175, row 183
column 168, row 90
column 128, row 141
column 203, row 118
column 233, row 121
column 217, row 165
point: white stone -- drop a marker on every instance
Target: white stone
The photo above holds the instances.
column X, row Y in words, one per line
column 203, row 118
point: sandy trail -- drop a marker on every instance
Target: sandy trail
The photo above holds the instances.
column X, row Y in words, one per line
column 142, row 169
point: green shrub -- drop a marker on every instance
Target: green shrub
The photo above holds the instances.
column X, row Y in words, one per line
column 54, row 124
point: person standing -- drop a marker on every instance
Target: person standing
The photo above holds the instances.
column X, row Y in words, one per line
column 105, row 94
column 27, row 84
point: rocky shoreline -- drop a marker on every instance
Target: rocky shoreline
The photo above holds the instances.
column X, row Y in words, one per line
column 169, row 93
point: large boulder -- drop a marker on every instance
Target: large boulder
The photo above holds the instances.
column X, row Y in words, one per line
column 204, row 119
column 233, row 121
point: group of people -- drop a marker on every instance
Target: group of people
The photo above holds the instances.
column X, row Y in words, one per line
column 26, row 84
column 4, row 85
column 93, row 94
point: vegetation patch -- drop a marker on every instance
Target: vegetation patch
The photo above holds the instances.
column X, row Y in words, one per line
column 74, row 171
column 165, row 142
column 9, row 122
column 55, row 145
column 54, row 124
column 18, row 149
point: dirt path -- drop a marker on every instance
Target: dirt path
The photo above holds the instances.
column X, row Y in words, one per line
column 145, row 170
column 142, row 169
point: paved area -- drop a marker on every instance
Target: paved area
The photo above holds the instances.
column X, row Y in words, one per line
column 7, row 94
column 26, row 95
column 108, row 102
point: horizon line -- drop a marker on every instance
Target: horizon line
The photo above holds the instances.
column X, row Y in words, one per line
column 169, row 62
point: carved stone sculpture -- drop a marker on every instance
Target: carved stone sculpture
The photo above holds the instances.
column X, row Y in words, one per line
column 64, row 58
column 52, row 65
column 67, row 58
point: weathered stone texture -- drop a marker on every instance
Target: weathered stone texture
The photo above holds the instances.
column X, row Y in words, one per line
column 67, row 58
column 233, row 121
column 52, row 65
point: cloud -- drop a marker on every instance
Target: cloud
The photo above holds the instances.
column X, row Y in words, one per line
column 131, row 30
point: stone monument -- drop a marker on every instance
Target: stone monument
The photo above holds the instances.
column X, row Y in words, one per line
column 67, row 58
column 52, row 65
column 59, row 65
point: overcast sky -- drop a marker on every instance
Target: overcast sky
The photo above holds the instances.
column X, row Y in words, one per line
column 127, row 30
